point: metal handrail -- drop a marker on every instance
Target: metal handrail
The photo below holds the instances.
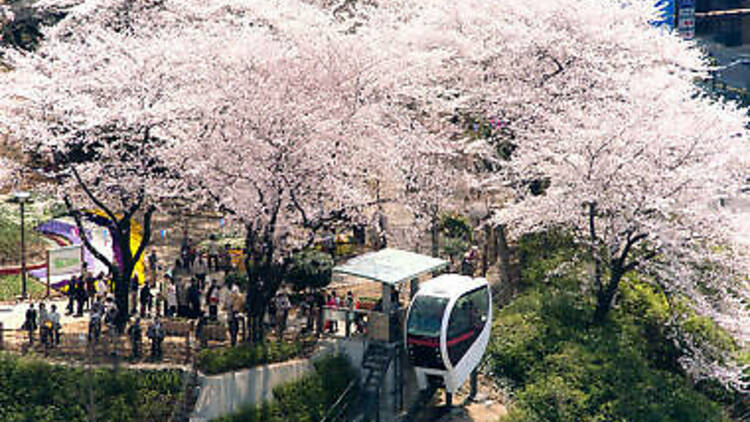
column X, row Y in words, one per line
column 348, row 388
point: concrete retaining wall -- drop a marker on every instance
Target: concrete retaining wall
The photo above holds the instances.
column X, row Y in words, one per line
column 221, row 395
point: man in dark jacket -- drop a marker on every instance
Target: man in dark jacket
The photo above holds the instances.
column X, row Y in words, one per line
column 81, row 296
column 234, row 327
column 156, row 334
column 71, row 294
column 145, row 300
column 30, row 323
column 136, row 338
column 194, row 300
column 134, row 294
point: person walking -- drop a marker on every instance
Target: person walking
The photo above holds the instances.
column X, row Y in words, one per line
column 234, row 327
column 153, row 264
column 136, row 338
column 90, row 291
column 101, row 288
column 156, row 335
column 213, row 254
column 282, row 308
column 41, row 319
column 111, row 312
column 95, row 322
column 182, row 298
column 30, row 323
column 212, row 298
column 71, row 294
column 226, row 260
column 194, row 300
column 146, row 300
column 272, row 311
column 134, row 294
column 54, row 318
column 349, row 304
column 81, row 296
column 201, row 269
column 171, row 300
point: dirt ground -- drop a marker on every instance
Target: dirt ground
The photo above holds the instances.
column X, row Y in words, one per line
column 487, row 406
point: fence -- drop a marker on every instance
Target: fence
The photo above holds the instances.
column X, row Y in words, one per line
column 179, row 345
column 371, row 324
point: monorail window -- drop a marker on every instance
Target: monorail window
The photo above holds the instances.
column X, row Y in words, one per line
column 466, row 322
column 426, row 316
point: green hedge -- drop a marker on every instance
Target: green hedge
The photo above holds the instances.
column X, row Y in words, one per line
column 225, row 359
column 306, row 399
column 561, row 367
column 32, row 390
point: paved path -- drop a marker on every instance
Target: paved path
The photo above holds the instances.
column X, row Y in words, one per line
column 12, row 316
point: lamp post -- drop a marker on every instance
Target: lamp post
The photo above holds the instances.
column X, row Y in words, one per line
column 22, row 197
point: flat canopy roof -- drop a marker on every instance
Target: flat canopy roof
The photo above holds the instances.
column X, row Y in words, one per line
column 390, row 266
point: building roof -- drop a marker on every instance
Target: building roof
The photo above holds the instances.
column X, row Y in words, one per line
column 390, row 266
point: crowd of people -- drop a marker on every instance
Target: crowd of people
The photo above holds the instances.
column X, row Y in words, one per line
column 186, row 290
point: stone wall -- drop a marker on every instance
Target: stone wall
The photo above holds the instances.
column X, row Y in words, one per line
column 221, row 395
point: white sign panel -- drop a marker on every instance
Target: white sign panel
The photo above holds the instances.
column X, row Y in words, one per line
column 686, row 21
column 65, row 261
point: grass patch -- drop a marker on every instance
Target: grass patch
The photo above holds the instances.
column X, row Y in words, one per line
column 32, row 390
column 10, row 236
column 225, row 359
column 306, row 399
column 10, row 288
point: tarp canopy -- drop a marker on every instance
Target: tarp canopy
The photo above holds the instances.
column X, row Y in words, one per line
column 390, row 266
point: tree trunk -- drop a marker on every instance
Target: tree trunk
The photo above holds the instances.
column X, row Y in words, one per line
column 605, row 297
column 435, row 237
column 503, row 253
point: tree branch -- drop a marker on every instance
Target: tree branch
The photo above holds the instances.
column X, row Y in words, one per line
column 146, row 238
column 91, row 196
column 84, row 237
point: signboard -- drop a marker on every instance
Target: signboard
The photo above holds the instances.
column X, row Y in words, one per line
column 686, row 19
column 666, row 13
column 65, row 261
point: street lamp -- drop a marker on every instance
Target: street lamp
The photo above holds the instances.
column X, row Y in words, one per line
column 22, row 197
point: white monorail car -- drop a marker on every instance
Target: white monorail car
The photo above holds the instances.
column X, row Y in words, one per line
column 448, row 328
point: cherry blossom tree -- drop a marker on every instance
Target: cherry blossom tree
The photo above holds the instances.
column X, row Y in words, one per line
column 138, row 103
column 300, row 125
column 93, row 103
column 602, row 132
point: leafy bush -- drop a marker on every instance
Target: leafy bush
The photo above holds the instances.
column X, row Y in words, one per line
column 564, row 368
column 306, row 399
column 32, row 390
column 310, row 269
column 457, row 234
column 225, row 359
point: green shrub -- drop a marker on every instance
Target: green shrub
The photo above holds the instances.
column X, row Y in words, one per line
column 310, row 269
column 564, row 368
column 306, row 399
column 225, row 359
column 32, row 390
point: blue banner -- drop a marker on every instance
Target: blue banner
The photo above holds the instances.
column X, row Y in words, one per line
column 666, row 12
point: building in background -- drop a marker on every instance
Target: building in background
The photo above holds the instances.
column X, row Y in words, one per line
column 723, row 27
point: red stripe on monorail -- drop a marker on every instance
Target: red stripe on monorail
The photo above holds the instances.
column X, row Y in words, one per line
column 459, row 339
column 425, row 342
